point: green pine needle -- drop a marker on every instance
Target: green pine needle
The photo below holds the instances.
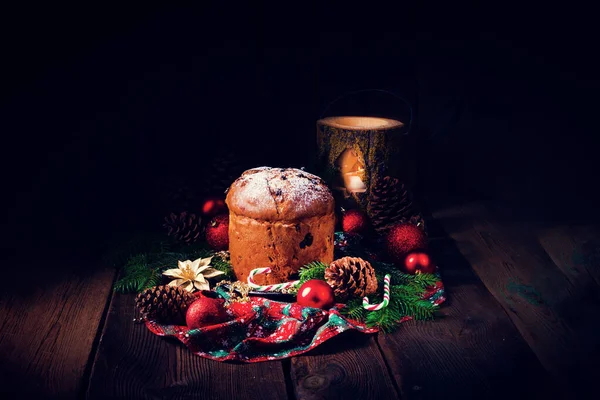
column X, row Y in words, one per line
column 145, row 270
column 314, row 270
column 406, row 299
column 137, row 276
column 354, row 310
column 385, row 319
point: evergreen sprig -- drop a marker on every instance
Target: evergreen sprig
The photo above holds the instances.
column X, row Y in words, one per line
column 144, row 270
column 137, row 275
column 398, row 277
column 405, row 300
column 313, row 270
column 354, row 309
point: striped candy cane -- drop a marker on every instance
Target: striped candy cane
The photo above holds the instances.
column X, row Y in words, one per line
column 268, row 288
column 386, row 297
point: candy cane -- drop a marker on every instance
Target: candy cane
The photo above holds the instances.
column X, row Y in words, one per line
column 386, row 297
column 268, row 288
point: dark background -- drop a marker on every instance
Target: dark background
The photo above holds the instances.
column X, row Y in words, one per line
column 98, row 103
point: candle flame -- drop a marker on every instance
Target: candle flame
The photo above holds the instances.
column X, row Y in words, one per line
column 352, row 170
column 354, row 184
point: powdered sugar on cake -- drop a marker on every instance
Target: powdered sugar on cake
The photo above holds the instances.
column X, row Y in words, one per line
column 289, row 191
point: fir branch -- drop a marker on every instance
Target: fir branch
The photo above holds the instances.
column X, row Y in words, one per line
column 224, row 266
column 400, row 278
column 145, row 270
column 385, row 319
column 354, row 310
column 313, row 270
column 405, row 300
column 137, row 276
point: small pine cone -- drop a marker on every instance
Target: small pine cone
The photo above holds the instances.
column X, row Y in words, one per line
column 389, row 202
column 351, row 277
column 184, row 227
column 164, row 303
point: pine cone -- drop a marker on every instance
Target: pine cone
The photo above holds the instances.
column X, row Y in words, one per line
column 164, row 303
column 184, row 227
column 351, row 277
column 389, row 202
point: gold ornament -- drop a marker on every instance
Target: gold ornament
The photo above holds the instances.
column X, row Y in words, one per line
column 241, row 287
column 192, row 275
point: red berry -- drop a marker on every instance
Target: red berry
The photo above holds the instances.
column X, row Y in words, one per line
column 217, row 232
column 316, row 293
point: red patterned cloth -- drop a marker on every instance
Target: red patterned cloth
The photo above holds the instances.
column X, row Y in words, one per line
column 263, row 329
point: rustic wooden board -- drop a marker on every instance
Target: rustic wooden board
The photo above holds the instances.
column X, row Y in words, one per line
column 472, row 351
column 48, row 328
column 133, row 363
column 550, row 312
column 576, row 252
column 349, row 366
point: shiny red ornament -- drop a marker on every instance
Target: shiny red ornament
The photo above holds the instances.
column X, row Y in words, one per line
column 205, row 311
column 418, row 262
column 217, row 232
column 316, row 293
column 354, row 221
column 213, row 206
column 403, row 239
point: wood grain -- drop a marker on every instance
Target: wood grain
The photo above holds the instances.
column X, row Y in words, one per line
column 549, row 311
column 349, row 366
column 47, row 329
column 576, row 252
column 133, row 363
column 472, row 351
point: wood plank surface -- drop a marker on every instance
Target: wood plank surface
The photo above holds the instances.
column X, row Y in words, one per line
column 134, row 363
column 349, row 366
column 48, row 327
column 576, row 252
column 549, row 310
column 472, row 351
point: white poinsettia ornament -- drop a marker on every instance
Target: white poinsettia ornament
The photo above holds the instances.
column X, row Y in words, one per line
column 192, row 275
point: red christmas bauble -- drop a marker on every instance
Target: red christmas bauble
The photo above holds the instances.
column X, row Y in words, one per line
column 213, row 206
column 354, row 221
column 217, row 232
column 418, row 261
column 315, row 293
column 205, row 311
column 403, row 239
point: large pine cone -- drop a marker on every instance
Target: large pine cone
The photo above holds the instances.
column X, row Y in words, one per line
column 184, row 227
column 389, row 202
column 351, row 277
column 164, row 303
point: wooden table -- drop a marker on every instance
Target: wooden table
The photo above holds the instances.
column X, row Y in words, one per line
column 521, row 321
